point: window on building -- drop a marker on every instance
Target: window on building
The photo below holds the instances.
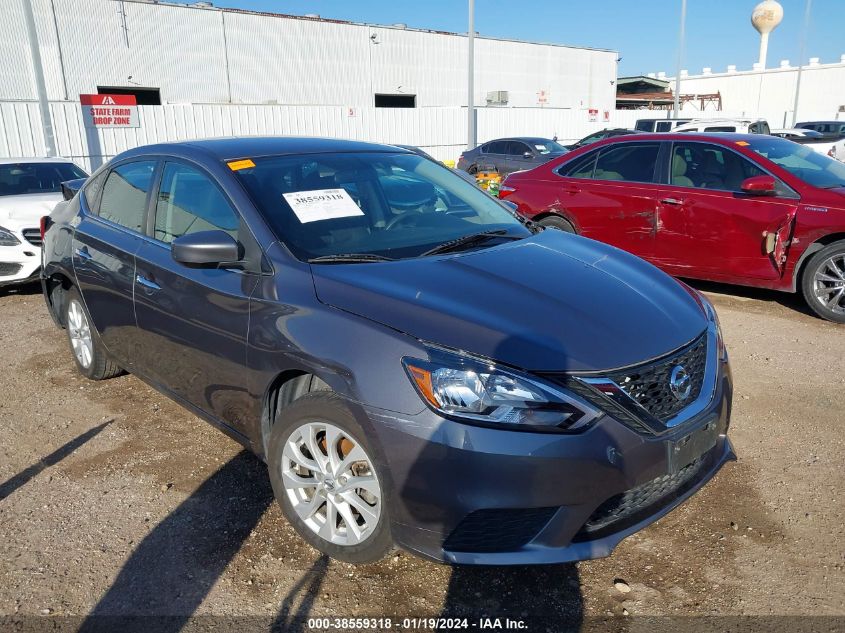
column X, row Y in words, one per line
column 396, row 101
column 143, row 96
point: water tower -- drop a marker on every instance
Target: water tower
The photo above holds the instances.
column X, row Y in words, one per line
column 765, row 17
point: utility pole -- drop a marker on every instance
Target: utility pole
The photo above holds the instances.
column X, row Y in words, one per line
column 677, row 109
column 471, row 141
column 40, row 85
column 801, row 60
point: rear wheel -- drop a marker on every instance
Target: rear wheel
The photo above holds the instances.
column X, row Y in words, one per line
column 823, row 282
column 556, row 222
column 88, row 352
column 326, row 481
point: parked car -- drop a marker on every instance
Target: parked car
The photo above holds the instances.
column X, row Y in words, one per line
column 421, row 152
column 741, row 126
column 797, row 134
column 598, row 136
column 363, row 319
column 510, row 154
column 29, row 189
column 830, row 130
column 837, row 151
column 745, row 209
column 658, row 125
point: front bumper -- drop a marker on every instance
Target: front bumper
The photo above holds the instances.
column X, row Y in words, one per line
column 470, row 495
column 19, row 264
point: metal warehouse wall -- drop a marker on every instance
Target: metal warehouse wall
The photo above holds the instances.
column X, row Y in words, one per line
column 206, row 55
column 771, row 93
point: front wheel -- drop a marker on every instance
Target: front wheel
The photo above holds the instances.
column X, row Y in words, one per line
column 326, row 481
column 555, row 222
column 823, row 282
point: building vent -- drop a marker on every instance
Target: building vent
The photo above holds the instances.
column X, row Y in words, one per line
column 497, row 97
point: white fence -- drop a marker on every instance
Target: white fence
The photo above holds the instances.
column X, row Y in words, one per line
column 440, row 131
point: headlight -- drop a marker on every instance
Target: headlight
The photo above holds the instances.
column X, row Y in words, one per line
column 714, row 319
column 7, row 238
column 477, row 391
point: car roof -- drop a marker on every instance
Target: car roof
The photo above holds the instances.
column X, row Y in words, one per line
column 229, row 148
column 724, row 138
column 30, row 159
column 527, row 139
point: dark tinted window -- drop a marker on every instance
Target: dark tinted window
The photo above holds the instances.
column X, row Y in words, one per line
column 721, row 128
column 580, row 168
column 632, row 162
column 707, row 166
column 188, row 202
column 18, row 179
column 645, row 125
column 663, row 126
column 124, row 195
column 496, row 147
column 517, row 148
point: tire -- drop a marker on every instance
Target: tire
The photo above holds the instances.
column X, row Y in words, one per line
column 820, row 281
column 556, row 222
column 289, row 458
column 87, row 350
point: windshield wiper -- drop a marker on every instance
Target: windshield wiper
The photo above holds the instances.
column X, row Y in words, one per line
column 349, row 258
column 469, row 240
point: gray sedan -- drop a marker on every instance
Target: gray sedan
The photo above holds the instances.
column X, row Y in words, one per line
column 511, row 154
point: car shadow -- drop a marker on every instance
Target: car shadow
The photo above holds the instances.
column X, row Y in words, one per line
column 174, row 567
column 25, row 290
column 790, row 300
column 22, row 478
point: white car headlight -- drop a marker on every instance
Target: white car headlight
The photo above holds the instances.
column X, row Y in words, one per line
column 477, row 391
column 7, row 238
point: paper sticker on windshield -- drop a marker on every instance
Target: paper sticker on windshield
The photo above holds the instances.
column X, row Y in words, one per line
column 322, row 204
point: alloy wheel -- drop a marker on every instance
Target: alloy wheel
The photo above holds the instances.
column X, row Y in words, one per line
column 79, row 332
column 829, row 283
column 331, row 483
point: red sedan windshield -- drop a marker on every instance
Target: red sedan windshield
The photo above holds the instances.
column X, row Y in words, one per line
column 802, row 162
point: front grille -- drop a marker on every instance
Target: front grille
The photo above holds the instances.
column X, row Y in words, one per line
column 497, row 530
column 33, row 236
column 648, row 385
column 632, row 506
column 9, row 269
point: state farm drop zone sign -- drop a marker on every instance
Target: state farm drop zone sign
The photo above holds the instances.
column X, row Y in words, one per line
column 109, row 110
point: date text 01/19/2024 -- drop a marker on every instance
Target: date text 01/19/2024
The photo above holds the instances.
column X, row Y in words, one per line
column 416, row 624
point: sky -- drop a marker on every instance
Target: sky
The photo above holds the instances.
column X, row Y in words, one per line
column 644, row 32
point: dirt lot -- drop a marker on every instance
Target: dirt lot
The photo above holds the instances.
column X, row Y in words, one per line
column 115, row 501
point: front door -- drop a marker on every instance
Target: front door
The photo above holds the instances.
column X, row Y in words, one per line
column 193, row 321
column 104, row 245
column 613, row 194
column 708, row 228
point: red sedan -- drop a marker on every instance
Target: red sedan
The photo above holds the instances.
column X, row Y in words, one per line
column 753, row 210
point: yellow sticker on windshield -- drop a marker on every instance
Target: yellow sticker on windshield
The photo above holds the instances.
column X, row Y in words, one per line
column 743, row 143
column 237, row 165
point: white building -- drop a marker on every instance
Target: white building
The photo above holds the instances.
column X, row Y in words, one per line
column 201, row 54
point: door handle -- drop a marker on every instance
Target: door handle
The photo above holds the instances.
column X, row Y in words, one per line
column 83, row 254
column 672, row 201
column 149, row 285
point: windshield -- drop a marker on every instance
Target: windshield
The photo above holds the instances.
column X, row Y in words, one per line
column 801, row 161
column 18, row 179
column 549, row 147
column 389, row 205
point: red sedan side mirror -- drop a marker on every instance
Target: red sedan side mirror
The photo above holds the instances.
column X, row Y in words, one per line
column 759, row 186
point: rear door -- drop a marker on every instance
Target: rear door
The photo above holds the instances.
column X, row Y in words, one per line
column 517, row 159
column 612, row 194
column 193, row 321
column 104, row 245
column 495, row 155
column 708, row 228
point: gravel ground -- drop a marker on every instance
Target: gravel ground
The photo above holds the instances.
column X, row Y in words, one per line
column 116, row 501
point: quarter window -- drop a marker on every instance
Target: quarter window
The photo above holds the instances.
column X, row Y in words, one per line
column 188, row 202
column 582, row 168
column 631, row 162
column 124, row 197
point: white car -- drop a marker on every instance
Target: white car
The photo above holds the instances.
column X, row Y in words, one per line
column 796, row 133
column 741, row 126
column 29, row 189
column 837, row 150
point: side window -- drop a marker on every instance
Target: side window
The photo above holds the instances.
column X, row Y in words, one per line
column 124, row 197
column 710, row 167
column 645, row 126
column 515, row 148
column 189, row 201
column 663, row 126
column 581, row 168
column 721, row 128
column 93, row 187
column 497, row 147
column 631, row 162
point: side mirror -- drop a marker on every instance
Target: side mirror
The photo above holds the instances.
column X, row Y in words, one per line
column 528, row 155
column 759, row 186
column 71, row 187
column 205, row 248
